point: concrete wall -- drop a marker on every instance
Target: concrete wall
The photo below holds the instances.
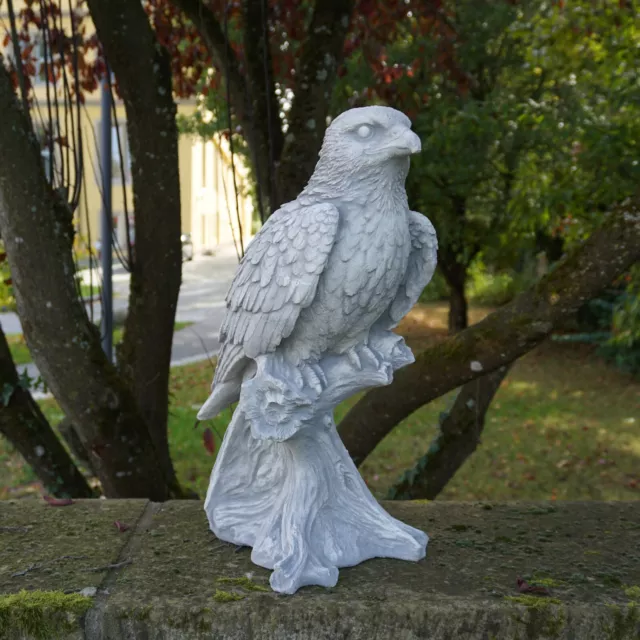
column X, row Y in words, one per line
column 70, row 572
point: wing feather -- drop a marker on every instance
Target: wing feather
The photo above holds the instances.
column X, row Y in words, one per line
column 422, row 263
column 277, row 278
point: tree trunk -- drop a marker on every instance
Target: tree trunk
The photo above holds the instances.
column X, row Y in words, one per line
column 501, row 337
column 291, row 159
column 457, row 439
column 454, row 269
column 142, row 69
column 26, row 428
column 321, row 54
column 37, row 232
column 455, row 273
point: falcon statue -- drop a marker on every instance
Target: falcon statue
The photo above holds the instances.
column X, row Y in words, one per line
column 343, row 259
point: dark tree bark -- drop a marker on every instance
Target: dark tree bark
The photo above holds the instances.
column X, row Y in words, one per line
column 70, row 435
column 455, row 274
column 263, row 117
column 142, row 69
column 454, row 268
column 37, row 232
column 321, row 55
column 26, row 428
column 457, row 439
column 253, row 98
column 501, row 337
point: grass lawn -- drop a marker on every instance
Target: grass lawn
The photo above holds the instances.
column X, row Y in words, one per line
column 20, row 351
column 564, row 425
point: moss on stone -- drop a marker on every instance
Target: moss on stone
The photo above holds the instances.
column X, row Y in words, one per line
column 243, row 582
column 546, row 615
column 625, row 622
column 42, row 615
column 533, row 602
column 632, row 592
column 227, row 596
column 137, row 613
column 541, row 581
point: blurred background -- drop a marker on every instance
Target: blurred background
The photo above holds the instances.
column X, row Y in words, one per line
column 529, row 116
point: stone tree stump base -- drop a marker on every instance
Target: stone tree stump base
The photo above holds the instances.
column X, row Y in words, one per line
column 70, row 572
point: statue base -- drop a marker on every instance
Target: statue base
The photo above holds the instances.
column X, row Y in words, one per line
column 283, row 482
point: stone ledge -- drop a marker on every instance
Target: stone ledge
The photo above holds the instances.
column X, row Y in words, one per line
column 167, row 577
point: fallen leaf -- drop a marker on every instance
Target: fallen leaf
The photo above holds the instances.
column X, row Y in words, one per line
column 525, row 587
column 121, row 526
column 57, row 502
column 209, row 442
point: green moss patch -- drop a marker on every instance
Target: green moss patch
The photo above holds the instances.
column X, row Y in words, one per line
column 227, row 596
column 533, row 602
column 243, row 582
column 632, row 592
column 42, row 615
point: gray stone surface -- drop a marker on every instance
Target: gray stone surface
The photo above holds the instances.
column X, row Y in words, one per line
column 170, row 578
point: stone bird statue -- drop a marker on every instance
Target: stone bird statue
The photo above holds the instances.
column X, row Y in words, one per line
column 345, row 256
column 308, row 323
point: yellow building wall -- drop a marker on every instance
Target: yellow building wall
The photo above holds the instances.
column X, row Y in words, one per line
column 208, row 208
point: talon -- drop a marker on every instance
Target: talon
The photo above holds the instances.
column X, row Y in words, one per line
column 320, row 373
column 354, row 358
column 366, row 350
column 311, row 378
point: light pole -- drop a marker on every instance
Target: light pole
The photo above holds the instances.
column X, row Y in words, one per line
column 106, row 219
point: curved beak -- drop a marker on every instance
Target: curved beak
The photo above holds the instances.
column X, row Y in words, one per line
column 406, row 143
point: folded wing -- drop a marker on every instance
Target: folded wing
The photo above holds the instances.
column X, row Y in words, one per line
column 422, row 263
column 277, row 278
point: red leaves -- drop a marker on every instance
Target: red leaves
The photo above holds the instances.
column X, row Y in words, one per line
column 57, row 502
column 525, row 587
column 208, row 440
column 121, row 526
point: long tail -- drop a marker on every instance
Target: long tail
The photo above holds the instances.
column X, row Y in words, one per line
column 227, row 380
column 222, row 395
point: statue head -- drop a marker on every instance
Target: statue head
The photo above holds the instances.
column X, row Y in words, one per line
column 366, row 142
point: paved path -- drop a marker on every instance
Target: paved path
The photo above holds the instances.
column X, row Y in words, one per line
column 205, row 281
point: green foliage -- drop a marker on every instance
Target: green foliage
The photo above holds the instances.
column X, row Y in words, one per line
column 437, row 289
column 612, row 321
column 623, row 347
column 493, row 289
column 7, row 299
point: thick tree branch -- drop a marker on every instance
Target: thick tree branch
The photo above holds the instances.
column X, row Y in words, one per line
column 224, row 57
column 26, row 428
column 252, row 97
column 503, row 336
column 321, row 55
column 457, row 439
column 142, row 68
column 62, row 340
column 265, row 110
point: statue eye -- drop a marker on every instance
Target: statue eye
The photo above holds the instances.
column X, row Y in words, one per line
column 365, row 131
